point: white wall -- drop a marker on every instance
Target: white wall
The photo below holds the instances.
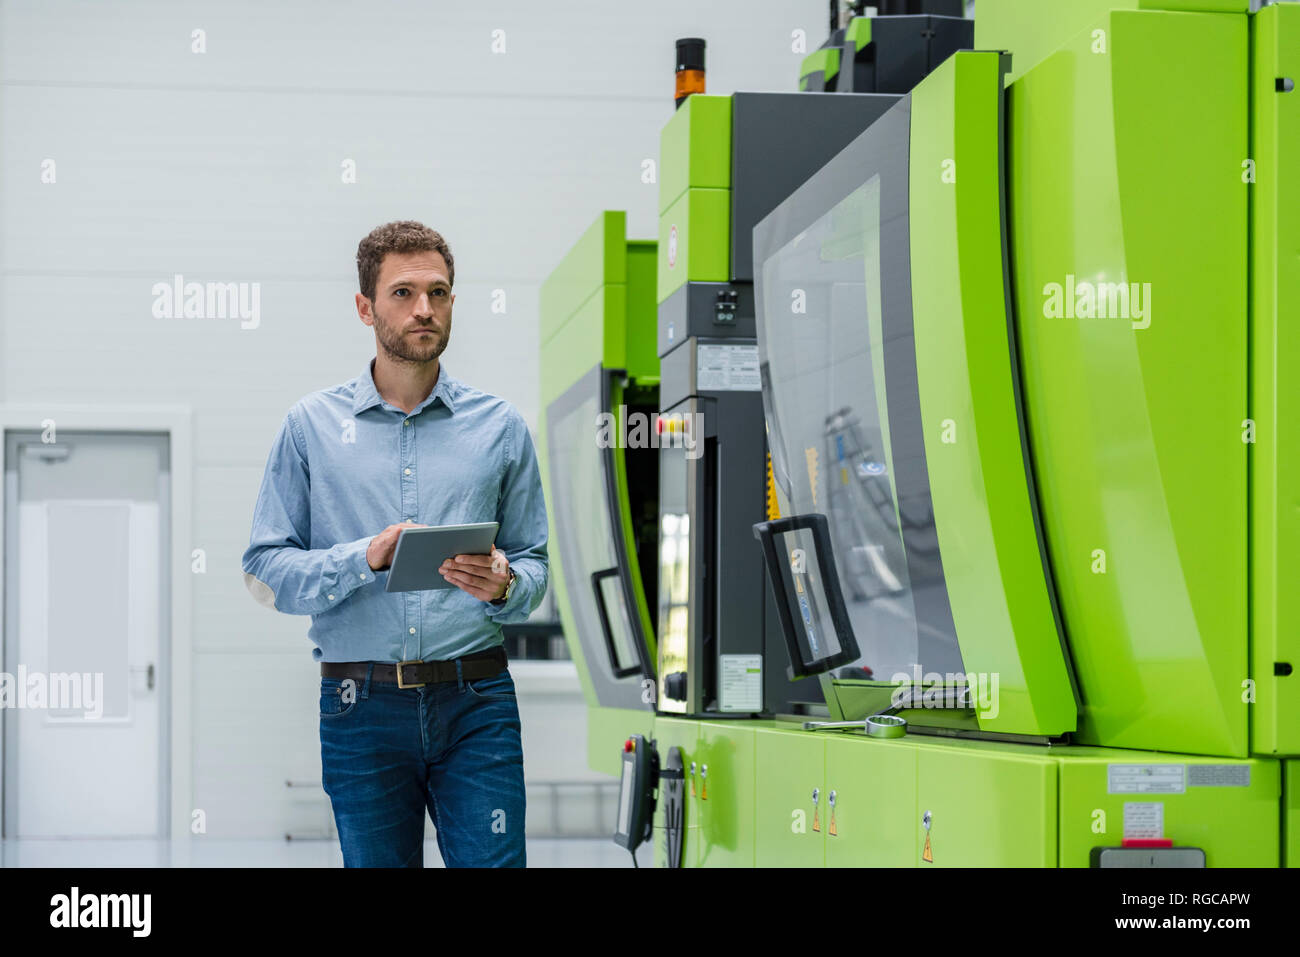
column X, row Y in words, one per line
column 226, row 166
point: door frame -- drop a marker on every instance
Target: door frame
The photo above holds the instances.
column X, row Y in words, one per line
column 176, row 421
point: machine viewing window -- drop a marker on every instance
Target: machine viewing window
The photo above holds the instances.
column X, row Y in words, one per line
column 839, row 389
column 582, row 498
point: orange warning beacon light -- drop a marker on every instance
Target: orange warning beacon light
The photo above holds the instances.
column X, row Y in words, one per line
column 690, row 68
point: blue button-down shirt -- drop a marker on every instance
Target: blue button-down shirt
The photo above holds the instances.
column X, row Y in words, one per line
column 346, row 465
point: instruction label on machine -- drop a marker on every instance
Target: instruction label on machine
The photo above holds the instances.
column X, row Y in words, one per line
column 1146, row 778
column 1218, row 775
column 1144, row 819
column 741, row 684
column 727, row 368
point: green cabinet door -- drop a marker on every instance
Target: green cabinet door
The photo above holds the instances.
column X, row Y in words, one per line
column 725, row 794
column 986, row 808
column 789, row 824
column 873, row 785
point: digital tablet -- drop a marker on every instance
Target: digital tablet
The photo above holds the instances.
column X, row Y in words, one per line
column 421, row 550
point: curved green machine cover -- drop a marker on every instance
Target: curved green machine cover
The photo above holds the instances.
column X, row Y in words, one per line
column 968, row 380
column 893, row 415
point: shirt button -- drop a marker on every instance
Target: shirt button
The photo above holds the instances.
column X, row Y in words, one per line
column 406, row 422
column 412, row 631
column 331, row 597
column 408, row 471
column 363, row 577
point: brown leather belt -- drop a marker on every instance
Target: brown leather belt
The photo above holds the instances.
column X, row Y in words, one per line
column 417, row 674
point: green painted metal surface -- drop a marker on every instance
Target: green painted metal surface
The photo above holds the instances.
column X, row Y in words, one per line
column 607, row 730
column 642, row 357
column 991, row 804
column 871, row 831
column 1274, row 399
column 1134, row 421
column 725, row 794
column 695, row 240
column 1021, row 27
column 987, row 809
column 992, row 561
column 1237, row 825
column 789, row 826
column 583, row 307
column 595, row 260
column 858, row 32
column 996, row 804
column 695, row 148
column 825, row 62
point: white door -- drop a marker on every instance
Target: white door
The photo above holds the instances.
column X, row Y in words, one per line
column 86, row 619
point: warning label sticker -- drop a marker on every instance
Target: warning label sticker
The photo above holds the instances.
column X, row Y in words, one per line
column 1146, row 778
column 721, row 368
column 1144, row 819
column 1218, row 775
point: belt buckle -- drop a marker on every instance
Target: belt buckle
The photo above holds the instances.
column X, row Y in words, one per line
column 420, row 684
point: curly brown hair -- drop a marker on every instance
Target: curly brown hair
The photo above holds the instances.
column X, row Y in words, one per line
column 404, row 236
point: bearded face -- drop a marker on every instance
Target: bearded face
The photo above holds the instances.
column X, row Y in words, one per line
column 412, row 338
column 412, row 307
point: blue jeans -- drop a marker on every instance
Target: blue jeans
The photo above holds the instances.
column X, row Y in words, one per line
column 453, row 747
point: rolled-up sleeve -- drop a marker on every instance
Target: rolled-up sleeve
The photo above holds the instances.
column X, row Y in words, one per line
column 523, row 533
column 280, row 570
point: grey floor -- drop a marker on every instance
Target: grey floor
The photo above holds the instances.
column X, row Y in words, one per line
column 214, row 852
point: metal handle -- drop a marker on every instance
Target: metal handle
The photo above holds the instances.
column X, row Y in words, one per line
column 148, row 674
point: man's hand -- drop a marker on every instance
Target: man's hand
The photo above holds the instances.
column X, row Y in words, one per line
column 379, row 554
column 483, row 576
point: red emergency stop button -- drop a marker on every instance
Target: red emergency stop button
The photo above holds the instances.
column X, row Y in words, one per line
column 628, row 745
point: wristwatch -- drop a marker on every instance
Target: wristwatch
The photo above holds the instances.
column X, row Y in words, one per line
column 509, row 588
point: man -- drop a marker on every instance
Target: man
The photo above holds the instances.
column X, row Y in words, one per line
column 417, row 706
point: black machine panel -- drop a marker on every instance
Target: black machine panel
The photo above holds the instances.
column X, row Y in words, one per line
column 902, row 52
column 778, row 140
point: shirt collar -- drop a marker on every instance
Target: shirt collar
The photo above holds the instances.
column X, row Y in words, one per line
column 367, row 396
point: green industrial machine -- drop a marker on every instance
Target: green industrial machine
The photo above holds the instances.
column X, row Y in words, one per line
column 598, row 358
column 718, row 628
column 1023, row 338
